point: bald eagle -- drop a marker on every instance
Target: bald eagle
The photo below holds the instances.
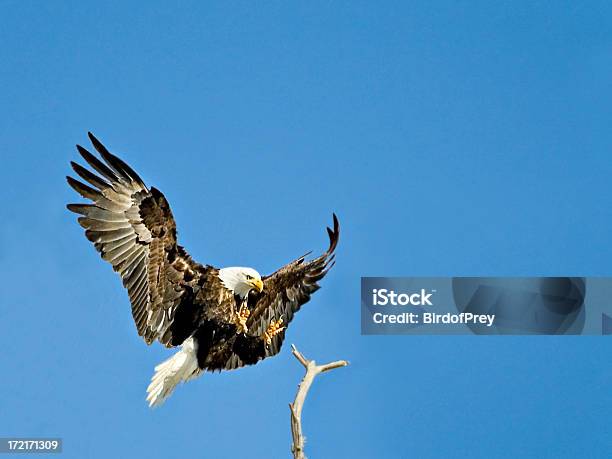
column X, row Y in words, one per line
column 223, row 319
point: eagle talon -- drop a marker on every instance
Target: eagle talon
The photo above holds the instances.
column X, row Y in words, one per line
column 241, row 319
column 274, row 329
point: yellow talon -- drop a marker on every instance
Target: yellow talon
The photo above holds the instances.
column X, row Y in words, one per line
column 241, row 318
column 274, row 329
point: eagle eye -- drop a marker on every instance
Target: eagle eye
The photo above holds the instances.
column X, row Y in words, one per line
column 249, row 277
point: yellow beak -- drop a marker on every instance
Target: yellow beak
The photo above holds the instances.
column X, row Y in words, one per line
column 257, row 284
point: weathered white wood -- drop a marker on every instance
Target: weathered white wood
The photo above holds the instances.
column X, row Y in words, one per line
column 312, row 370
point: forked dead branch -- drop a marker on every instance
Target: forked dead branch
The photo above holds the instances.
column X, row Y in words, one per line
column 312, row 370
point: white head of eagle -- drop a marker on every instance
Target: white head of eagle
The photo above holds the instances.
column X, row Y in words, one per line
column 241, row 280
column 176, row 300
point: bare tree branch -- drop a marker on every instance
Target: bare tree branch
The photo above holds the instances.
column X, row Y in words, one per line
column 312, row 370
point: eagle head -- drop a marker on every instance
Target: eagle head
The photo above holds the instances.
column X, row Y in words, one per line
column 241, row 280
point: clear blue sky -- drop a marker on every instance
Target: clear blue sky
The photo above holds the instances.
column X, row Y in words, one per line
column 451, row 138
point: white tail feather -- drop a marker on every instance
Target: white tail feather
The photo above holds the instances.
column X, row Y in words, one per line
column 182, row 366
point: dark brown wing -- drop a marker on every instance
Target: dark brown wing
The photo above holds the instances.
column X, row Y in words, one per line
column 288, row 289
column 133, row 229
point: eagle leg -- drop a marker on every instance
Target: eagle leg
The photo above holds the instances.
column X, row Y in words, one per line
column 241, row 318
column 274, row 329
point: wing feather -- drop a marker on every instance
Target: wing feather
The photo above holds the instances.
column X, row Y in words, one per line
column 98, row 165
column 121, row 167
column 89, row 177
column 133, row 229
column 286, row 290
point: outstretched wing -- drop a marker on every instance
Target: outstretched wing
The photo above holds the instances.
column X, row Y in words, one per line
column 288, row 289
column 133, row 229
